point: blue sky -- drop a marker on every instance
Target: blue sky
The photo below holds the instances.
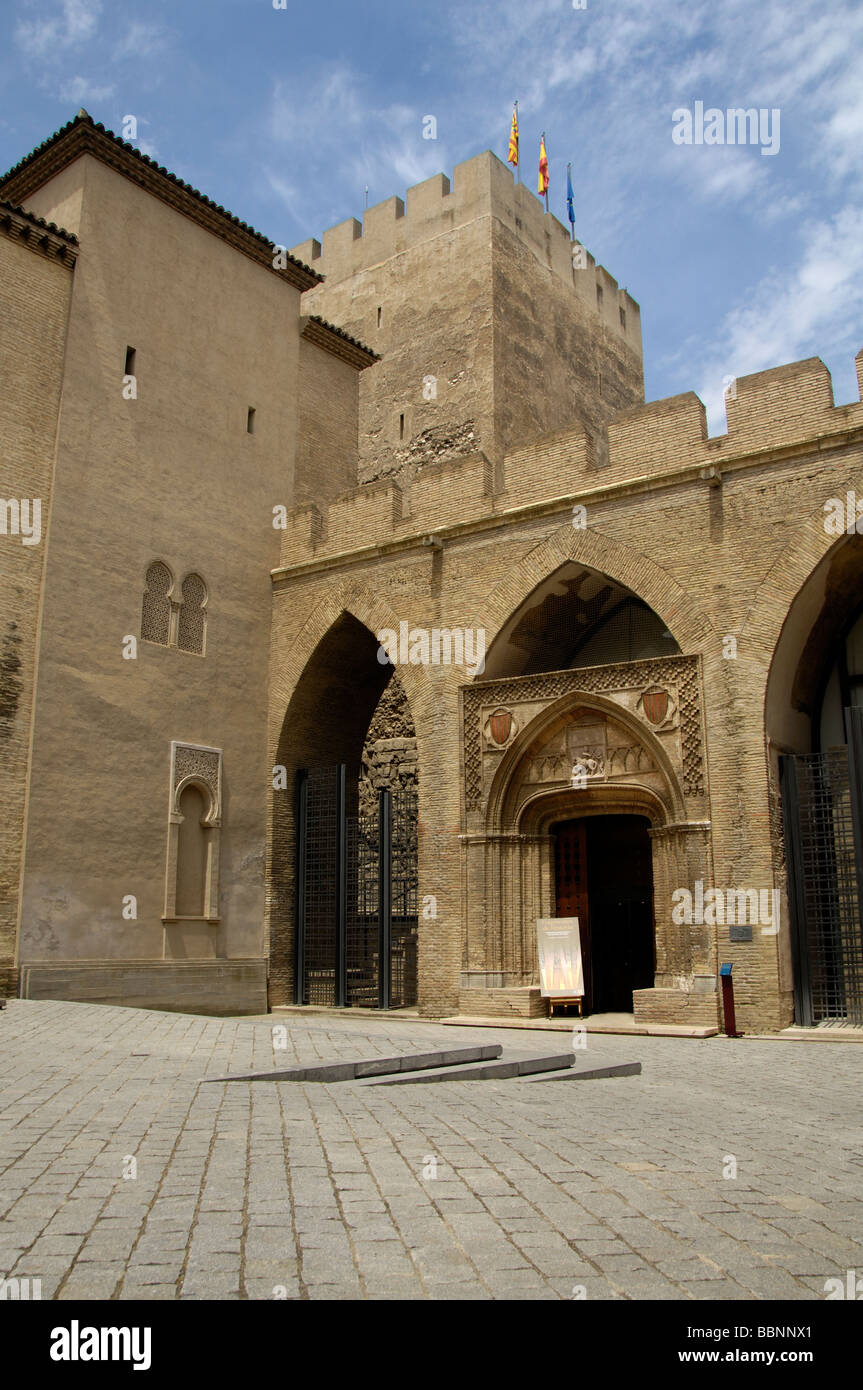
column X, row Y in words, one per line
column 740, row 261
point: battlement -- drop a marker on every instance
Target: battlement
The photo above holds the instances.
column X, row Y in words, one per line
column 784, row 407
column 480, row 187
column 781, row 407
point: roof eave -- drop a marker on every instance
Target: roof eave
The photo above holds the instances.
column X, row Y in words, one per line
column 84, row 136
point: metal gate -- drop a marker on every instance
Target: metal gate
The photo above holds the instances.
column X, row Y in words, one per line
column 822, row 805
column 356, row 896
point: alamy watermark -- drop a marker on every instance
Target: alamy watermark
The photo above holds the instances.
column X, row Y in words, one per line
column 436, row 646
column 77, row 1343
column 851, row 1287
column 20, row 1290
column 21, row 518
column 844, row 515
column 727, row 907
column 736, row 126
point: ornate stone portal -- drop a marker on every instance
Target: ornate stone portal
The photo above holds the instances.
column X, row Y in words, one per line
column 547, row 748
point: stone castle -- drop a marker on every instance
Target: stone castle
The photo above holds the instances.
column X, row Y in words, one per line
column 248, row 463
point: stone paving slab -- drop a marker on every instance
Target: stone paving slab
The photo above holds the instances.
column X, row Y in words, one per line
column 508, row 1067
column 726, row 1169
column 594, row 1073
column 375, row 1066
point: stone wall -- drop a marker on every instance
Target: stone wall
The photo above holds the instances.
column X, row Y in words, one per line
column 36, row 266
column 168, row 472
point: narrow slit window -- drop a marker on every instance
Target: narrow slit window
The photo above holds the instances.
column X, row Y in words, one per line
column 250, row 420
column 129, row 369
column 623, row 318
column 599, row 296
column 401, row 427
column 380, row 315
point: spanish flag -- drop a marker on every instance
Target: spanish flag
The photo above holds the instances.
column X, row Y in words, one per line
column 543, row 166
column 512, row 157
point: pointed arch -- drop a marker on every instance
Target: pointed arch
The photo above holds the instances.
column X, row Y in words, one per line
column 629, row 568
column 371, row 612
column 809, row 545
column 557, row 713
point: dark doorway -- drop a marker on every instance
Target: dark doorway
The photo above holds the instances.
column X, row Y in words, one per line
column 604, row 877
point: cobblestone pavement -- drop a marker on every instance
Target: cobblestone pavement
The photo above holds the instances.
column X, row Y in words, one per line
column 270, row 1190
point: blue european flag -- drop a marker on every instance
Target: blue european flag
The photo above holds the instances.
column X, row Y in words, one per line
column 569, row 208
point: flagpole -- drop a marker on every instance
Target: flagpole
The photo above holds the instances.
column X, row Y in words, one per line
column 569, row 204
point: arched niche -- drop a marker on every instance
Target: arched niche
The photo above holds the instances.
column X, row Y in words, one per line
column 194, row 834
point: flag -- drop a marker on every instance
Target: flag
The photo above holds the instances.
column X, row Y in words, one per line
column 543, row 166
column 512, row 157
column 570, row 212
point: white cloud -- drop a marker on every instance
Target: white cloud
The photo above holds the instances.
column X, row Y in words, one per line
column 792, row 312
column 76, row 23
column 141, row 40
column 80, row 90
column 345, row 131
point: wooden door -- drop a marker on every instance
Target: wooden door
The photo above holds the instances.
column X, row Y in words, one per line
column 571, row 889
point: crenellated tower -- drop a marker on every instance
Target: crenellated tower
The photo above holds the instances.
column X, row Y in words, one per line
column 489, row 336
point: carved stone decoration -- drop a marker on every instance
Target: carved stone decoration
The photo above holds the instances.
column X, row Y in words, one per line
column 679, row 675
column 586, row 767
column 586, row 745
column 500, row 728
column 548, row 767
column 657, row 706
column 632, row 758
column 195, row 764
column 192, row 761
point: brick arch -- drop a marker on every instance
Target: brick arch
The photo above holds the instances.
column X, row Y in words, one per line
column 374, row 614
column 304, row 723
column 789, row 574
column 623, row 563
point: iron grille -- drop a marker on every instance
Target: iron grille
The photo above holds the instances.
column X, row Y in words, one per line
column 357, row 896
column 362, row 931
column 826, row 873
column 405, row 905
column 321, row 887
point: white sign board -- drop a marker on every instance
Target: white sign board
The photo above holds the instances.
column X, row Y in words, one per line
column 560, row 971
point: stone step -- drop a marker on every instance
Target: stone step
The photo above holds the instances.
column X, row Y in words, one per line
column 374, row 1066
column 593, row 1073
column 520, row 1001
column 503, row 1070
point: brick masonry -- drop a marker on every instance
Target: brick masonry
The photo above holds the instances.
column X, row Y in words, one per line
column 36, row 267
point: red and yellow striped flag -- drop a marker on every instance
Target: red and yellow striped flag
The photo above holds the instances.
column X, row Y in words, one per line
column 543, row 166
column 512, row 157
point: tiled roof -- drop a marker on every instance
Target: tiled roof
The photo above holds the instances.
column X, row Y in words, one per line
column 83, row 135
column 336, row 340
column 39, row 221
column 38, row 235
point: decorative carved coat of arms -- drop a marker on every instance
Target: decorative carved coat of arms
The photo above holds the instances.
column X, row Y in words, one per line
column 657, row 705
column 500, row 728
